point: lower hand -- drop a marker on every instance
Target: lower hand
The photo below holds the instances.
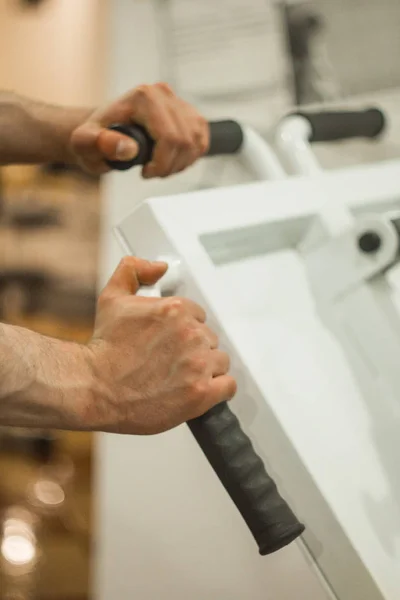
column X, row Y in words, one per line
column 180, row 133
column 156, row 363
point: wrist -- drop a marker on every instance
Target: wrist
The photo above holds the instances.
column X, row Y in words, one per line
column 17, row 366
column 95, row 412
column 65, row 382
column 64, row 121
column 44, row 382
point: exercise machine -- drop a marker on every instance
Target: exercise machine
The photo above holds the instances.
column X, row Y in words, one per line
column 296, row 275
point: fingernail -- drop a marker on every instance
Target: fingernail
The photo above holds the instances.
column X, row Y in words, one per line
column 126, row 150
column 148, row 171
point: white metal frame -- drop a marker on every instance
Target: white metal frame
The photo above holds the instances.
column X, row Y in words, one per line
column 299, row 400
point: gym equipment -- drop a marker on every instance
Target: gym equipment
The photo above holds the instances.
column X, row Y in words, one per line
column 294, row 275
column 219, row 434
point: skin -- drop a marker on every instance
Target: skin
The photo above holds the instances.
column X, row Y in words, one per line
column 152, row 363
column 33, row 132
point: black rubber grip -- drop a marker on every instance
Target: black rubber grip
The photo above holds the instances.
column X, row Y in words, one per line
column 340, row 125
column 226, row 137
column 145, row 144
column 243, row 474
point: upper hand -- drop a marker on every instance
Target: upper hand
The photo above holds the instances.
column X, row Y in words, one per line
column 180, row 133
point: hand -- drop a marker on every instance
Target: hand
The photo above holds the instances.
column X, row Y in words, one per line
column 156, row 364
column 180, row 133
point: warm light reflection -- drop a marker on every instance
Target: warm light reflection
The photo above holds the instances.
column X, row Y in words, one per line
column 18, row 550
column 48, row 492
column 18, row 544
column 16, row 595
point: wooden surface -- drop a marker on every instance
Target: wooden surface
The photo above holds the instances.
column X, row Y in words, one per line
column 68, row 254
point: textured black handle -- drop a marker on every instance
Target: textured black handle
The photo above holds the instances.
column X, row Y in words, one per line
column 144, row 141
column 340, row 125
column 243, row 474
column 226, row 137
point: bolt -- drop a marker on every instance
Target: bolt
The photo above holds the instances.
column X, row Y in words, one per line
column 369, row 242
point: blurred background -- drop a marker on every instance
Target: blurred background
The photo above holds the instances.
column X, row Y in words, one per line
column 49, row 235
column 246, row 59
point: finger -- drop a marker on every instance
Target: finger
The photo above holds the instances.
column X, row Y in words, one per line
column 112, row 145
column 211, row 337
column 222, row 388
column 198, row 130
column 190, row 307
column 133, row 272
column 164, row 155
column 194, row 309
column 194, row 135
column 167, row 135
column 84, row 141
column 220, row 363
column 150, row 109
column 186, row 151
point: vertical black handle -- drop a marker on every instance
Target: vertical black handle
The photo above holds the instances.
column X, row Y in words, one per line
column 243, row 474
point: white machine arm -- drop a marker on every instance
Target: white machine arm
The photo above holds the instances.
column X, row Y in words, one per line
column 349, row 258
column 330, row 235
column 296, row 132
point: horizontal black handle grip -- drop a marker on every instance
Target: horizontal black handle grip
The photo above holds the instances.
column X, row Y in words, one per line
column 226, row 137
column 340, row 125
column 243, row 474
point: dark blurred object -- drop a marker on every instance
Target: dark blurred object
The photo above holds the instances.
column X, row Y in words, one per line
column 21, row 291
column 28, row 292
column 302, row 25
column 49, row 229
column 31, row 3
column 38, row 445
column 1, row 196
column 65, row 169
column 31, row 219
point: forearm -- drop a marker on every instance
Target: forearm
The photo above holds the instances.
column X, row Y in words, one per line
column 34, row 132
column 44, row 383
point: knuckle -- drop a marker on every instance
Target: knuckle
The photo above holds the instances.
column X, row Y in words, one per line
column 192, row 335
column 171, row 307
column 226, row 361
column 201, row 123
column 198, row 391
column 198, row 364
column 127, row 262
column 172, row 138
column 214, row 339
column 143, row 92
column 105, row 299
column 165, row 87
column 203, row 146
column 186, row 143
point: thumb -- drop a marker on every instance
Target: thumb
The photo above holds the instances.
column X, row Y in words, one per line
column 116, row 146
column 133, row 272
